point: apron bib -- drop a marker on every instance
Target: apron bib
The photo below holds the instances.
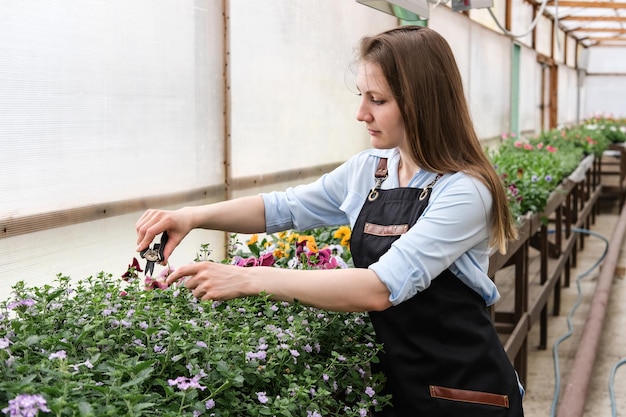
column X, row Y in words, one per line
column 441, row 353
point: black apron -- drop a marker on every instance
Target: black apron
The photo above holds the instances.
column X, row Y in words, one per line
column 441, row 353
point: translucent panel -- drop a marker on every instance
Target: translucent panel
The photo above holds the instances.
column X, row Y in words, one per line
column 604, row 95
column 104, row 101
column 490, row 82
column 529, row 91
column 559, row 46
column 571, row 52
column 607, row 60
column 543, row 43
column 568, row 96
column 293, row 96
column 521, row 22
column 85, row 249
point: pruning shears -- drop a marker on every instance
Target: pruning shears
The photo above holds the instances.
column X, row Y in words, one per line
column 154, row 254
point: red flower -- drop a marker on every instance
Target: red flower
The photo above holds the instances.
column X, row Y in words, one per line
column 131, row 271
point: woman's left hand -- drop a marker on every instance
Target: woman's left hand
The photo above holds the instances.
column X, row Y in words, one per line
column 211, row 280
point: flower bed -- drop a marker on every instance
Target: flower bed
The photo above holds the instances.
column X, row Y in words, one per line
column 532, row 168
column 107, row 346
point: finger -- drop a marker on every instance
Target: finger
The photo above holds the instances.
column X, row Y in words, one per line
column 179, row 273
column 169, row 249
column 200, row 294
column 145, row 218
column 150, row 231
column 141, row 227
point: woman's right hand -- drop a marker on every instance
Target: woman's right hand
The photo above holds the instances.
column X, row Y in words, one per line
column 176, row 223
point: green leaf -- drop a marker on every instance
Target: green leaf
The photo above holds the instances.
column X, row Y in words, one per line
column 85, row 409
column 32, row 340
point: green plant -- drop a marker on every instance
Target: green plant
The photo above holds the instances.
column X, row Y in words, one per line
column 107, row 346
column 613, row 129
column 531, row 171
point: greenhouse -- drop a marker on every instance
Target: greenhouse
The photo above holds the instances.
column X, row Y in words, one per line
column 312, row 208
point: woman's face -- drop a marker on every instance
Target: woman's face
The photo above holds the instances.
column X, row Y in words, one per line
column 378, row 108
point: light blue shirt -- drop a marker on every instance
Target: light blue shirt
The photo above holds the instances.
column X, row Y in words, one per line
column 453, row 232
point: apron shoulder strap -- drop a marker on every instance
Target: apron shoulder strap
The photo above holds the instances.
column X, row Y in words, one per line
column 429, row 187
column 380, row 175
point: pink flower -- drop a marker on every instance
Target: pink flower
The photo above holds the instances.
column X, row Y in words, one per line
column 266, row 260
column 166, row 272
column 154, row 283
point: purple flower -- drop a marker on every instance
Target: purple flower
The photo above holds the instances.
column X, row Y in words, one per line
column 183, row 383
column 313, row 414
column 201, row 344
column 25, row 405
column 362, row 412
column 548, row 178
column 261, row 355
column 370, row 391
column 209, row 404
column 4, row 343
column 262, row 397
column 28, row 302
column 61, row 354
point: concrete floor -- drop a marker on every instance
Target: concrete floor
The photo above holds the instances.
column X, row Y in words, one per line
column 540, row 385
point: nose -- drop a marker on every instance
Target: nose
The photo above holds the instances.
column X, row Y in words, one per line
column 363, row 114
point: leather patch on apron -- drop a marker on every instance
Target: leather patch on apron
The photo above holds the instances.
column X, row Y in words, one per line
column 379, row 230
column 476, row 397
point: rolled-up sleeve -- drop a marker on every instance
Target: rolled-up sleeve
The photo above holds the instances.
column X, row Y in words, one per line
column 307, row 206
column 452, row 232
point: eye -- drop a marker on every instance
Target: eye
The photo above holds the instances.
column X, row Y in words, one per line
column 377, row 102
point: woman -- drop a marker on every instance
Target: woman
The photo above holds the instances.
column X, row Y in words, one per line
column 425, row 206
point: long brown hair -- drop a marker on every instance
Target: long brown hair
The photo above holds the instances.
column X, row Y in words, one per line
column 425, row 81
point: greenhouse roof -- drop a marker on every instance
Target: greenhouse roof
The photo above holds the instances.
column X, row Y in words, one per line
column 594, row 23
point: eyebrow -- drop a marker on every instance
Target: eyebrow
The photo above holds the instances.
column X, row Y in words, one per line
column 369, row 91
